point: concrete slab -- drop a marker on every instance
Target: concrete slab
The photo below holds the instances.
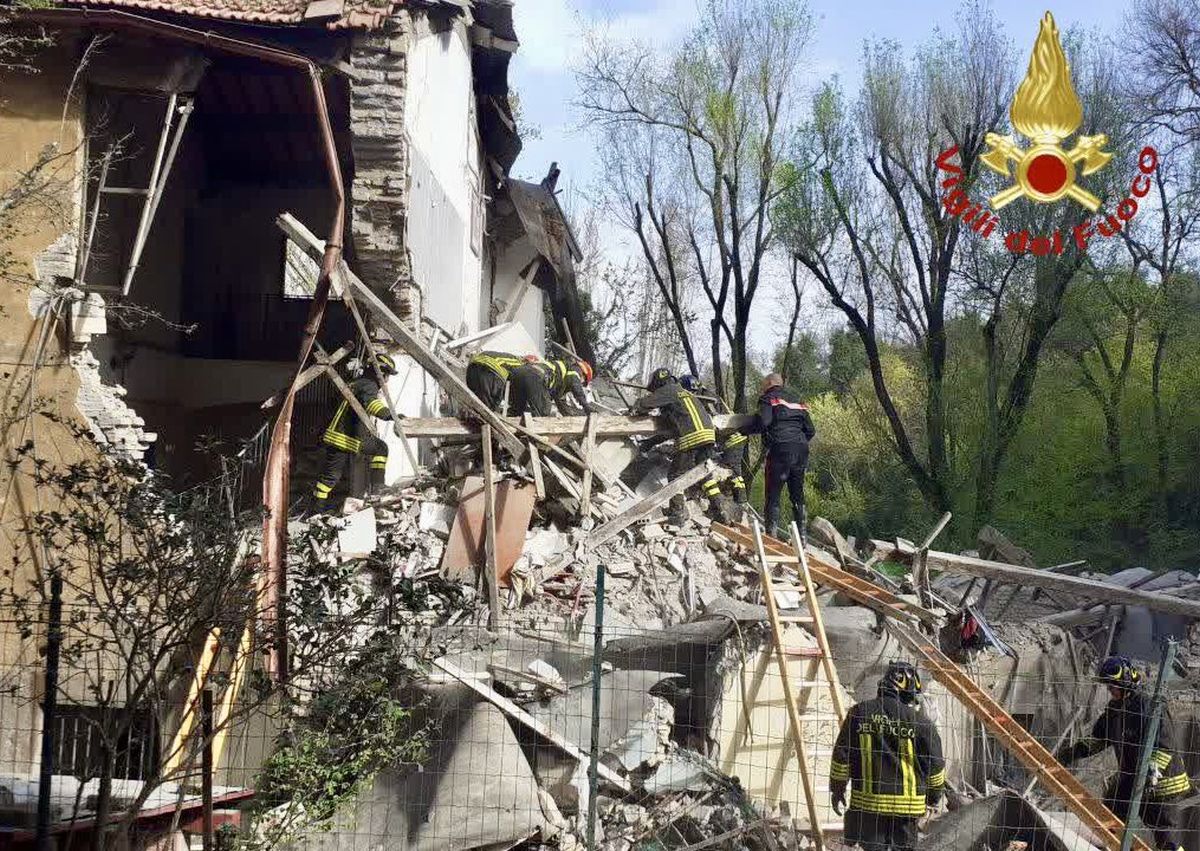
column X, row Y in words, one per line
column 357, row 537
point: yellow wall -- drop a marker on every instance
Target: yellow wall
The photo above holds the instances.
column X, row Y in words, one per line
column 32, row 118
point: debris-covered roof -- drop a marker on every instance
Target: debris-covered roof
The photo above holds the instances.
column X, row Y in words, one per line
column 360, row 14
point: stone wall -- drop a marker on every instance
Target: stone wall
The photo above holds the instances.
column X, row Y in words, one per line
column 379, row 192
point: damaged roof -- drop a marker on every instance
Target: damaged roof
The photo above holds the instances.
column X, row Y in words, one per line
column 359, row 14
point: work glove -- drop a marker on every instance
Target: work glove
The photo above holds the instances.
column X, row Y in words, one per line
column 1153, row 778
column 837, row 794
column 396, row 429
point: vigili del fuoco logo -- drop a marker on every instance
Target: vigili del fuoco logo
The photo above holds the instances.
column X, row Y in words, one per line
column 1046, row 111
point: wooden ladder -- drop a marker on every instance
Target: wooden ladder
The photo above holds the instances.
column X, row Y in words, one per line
column 821, row 672
column 1056, row 779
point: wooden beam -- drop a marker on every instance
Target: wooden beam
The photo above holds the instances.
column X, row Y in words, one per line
column 522, row 290
column 490, row 578
column 542, row 729
column 646, row 507
column 476, row 337
column 589, row 446
column 606, row 426
column 309, row 376
column 535, row 461
column 367, row 420
column 405, row 337
column 1086, row 588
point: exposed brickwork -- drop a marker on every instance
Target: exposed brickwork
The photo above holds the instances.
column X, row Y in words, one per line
column 379, row 193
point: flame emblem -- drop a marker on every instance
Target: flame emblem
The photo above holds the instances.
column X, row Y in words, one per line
column 1046, row 110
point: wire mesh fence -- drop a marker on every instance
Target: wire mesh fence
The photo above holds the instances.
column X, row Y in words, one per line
column 436, row 735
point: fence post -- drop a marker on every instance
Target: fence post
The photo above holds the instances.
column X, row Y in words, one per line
column 49, row 710
column 597, row 660
column 1134, row 818
column 206, row 768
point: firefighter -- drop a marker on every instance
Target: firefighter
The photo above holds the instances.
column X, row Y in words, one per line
column 733, row 448
column 694, row 436
column 347, row 435
column 538, row 384
column 1122, row 726
column 786, row 427
column 891, row 754
column 487, row 376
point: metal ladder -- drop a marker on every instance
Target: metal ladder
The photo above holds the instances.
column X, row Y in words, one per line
column 821, row 673
column 1056, row 779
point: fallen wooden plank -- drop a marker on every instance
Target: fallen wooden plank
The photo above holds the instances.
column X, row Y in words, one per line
column 513, row 711
column 606, row 426
column 589, row 446
column 1086, row 588
column 407, row 340
column 309, row 376
column 535, row 458
column 491, row 579
column 646, row 506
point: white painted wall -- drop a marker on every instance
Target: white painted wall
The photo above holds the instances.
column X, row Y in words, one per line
column 445, row 168
column 506, row 286
column 414, row 394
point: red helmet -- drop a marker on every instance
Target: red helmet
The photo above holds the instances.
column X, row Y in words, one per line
column 585, row 369
column 531, row 358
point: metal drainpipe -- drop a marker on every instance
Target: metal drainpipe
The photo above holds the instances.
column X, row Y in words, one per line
column 275, row 476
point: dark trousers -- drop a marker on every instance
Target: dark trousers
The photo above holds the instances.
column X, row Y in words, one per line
column 785, row 466
column 682, row 462
column 875, row 832
column 487, row 385
column 528, row 393
column 335, row 462
column 734, row 459
column 1158, row 814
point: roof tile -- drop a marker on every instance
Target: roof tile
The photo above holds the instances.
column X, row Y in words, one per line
column 359, row 14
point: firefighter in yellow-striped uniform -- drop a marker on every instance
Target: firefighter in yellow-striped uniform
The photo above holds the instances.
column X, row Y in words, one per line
column 694, row 436
column 732, row 450
column 538, row 384
column 487, row 376
column 1122, row 726
column 891, row 754
column 347, row 436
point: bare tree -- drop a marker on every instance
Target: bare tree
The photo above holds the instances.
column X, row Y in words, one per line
column 709, row 124
column 867, row 220
column 1162, row 38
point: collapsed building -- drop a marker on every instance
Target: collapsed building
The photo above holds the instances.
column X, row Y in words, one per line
column 204, row 145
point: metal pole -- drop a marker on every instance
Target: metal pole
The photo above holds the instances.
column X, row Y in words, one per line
column 597, row 658
column 49, row 710
column 206, row 767
column 1165, row 666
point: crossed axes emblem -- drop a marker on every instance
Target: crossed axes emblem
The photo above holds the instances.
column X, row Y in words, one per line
column 1045, row 172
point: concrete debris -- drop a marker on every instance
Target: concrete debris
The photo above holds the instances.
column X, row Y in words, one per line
column 357, row 535
column 436, row 517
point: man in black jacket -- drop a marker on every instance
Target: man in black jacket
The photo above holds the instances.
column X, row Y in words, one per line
column 786, row 427
column 347, row 435
column 892, row 754
column 1122, row 726
column 694, row 436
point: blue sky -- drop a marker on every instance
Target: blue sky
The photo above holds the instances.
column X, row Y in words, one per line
column 549, row 30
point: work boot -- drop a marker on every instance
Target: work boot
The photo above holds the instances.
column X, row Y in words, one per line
column 375, row 481
column 677, row 514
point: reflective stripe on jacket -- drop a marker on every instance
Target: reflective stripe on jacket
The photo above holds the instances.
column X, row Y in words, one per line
column 892, row 755
column 498, row 362
column 345, row 431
